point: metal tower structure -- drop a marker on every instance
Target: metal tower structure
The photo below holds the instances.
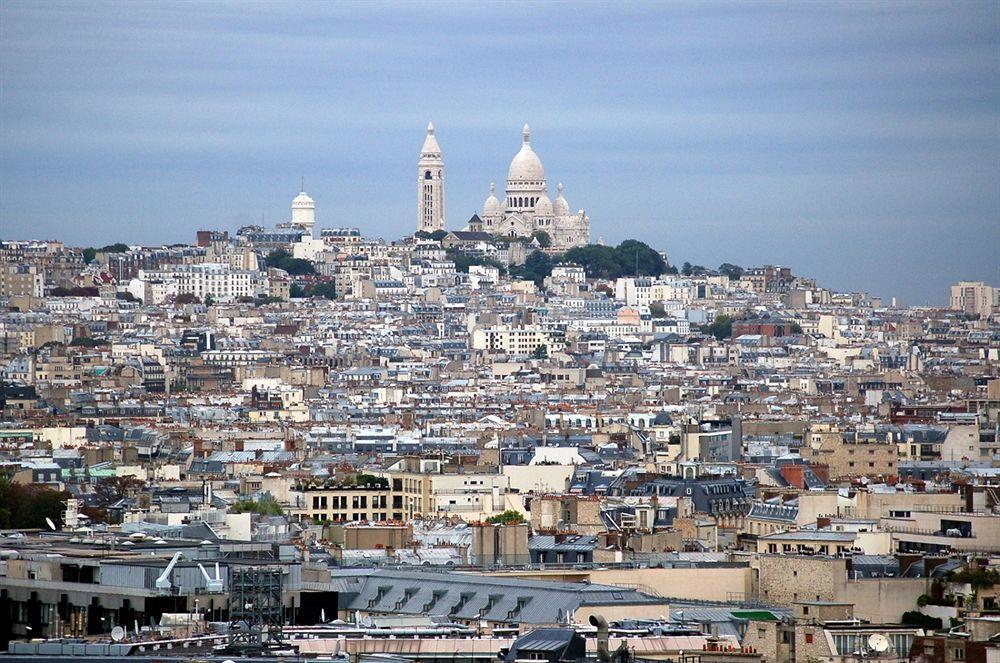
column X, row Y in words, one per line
column 256, row 614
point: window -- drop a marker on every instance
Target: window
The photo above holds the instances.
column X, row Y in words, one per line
column 809, row 638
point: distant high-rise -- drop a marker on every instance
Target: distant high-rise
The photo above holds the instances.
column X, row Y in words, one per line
column 430, row 185
column 974, row 297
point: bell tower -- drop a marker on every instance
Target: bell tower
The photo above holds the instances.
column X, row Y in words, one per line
column 430, row 185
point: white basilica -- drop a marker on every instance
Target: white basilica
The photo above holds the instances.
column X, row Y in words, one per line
column 527, row 207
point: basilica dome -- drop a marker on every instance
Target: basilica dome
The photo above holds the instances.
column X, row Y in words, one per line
column 492, row 206
column 543, row 206
column 526, row 166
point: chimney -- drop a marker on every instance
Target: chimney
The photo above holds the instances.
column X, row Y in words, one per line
column 603, row 653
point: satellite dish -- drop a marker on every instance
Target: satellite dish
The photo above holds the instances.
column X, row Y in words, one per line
column 52, row 525
column 878, row 642
column 118, row 634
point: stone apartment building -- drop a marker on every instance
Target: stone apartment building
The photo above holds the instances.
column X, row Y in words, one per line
column 850, row 454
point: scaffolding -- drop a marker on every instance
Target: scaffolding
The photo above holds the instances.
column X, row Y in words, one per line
column 256, row 614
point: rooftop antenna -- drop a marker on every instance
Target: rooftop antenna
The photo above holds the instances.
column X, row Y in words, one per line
column 302, row 185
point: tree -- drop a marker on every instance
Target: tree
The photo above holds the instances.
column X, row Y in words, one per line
column 108, row 490
column 282, row 259
column 84, row 342
column 633, row 254
column 27, row 506
column 657, row 310
column 721, row 327
column 463, row 261
column 265, row 506
column 543, row 238
column 687, row 269
column 209, row 300
column 541, row 352
column 734, row 272
column 536, row 267
column 796, row 328
column 508, row 517
column 917, row 618
column 437, row 235
column 90, row 252
column 187, row 298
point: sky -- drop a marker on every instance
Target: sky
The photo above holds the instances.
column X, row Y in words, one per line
column 858, row 143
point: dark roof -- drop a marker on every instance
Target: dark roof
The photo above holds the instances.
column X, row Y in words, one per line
column 470, row 236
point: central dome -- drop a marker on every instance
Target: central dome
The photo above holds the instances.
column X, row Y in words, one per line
column 303, row 201
column 526, row 166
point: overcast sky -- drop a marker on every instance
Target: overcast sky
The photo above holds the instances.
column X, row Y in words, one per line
column 857, row 142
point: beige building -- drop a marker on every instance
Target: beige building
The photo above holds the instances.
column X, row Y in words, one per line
column 849, row 454
column 25, row 281
column 789, row 579
column 421, row 488
column 343, row 503
column 974, row 297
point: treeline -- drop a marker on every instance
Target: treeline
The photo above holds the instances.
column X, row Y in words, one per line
column 27, row 506
column 282, row 259
column 630, row 258
column 90, row 252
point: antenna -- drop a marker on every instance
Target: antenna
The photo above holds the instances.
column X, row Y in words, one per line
column 302, row 185
column 118, row 634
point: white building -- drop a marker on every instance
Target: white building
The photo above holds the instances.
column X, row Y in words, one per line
column 430, row 185
column 303, row 212
column 219, row 281
column 527, row 207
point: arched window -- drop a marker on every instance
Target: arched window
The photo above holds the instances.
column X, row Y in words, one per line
column 427, row 175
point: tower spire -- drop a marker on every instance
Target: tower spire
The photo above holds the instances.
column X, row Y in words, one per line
column 430, row 184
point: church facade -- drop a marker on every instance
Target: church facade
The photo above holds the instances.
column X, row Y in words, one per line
column 525, row 209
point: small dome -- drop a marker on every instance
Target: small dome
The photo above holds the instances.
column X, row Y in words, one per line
column 561, row 207
column 492, row 206
column 303, row 201
column 663, row 419
column 526, row 166
column 543, row 206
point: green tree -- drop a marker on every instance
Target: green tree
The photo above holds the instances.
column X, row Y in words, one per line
column 508, row 517
column 536, row 267
column 84, row 342
column 632, row 254
column 186, row 298
column 282, row 259
column 543, row 238
column 265, row 506
column 463, row 261
column 657, row 310
column 209, row 300
column 541, row 352
column 795, row 328
column 732, row 271
column 27, row 506
column 721, row 327
column 436, row 236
